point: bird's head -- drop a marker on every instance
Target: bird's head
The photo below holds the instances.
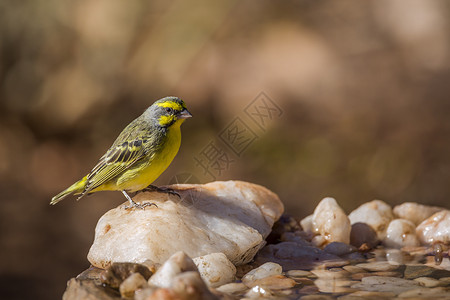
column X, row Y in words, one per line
column 169, row 111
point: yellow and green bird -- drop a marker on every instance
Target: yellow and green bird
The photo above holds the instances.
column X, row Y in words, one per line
column 141, row 152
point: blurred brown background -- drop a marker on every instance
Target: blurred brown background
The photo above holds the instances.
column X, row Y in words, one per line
column 362, row 87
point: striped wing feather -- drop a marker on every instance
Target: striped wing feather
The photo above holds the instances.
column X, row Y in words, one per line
column 129, row 148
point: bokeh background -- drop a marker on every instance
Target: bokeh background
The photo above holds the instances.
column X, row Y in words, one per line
column 362, row 86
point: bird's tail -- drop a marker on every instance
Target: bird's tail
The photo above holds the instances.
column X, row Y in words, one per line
column 76, row 188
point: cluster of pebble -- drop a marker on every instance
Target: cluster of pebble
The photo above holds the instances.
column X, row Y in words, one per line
column 408, row 224
column 369, row 254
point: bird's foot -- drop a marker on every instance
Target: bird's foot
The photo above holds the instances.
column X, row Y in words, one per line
column 136, row 205
column 163, row 189
column 139, row 205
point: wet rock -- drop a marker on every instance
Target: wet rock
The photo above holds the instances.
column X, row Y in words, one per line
column 131, row 284
column 298, row 273
column 232, row 288
column 176, row 264
column 333, row 273
column 334, row 285
column 258, row 292
column 378, row 266
column 92, row 273
column 316, row 297
column 231, row 217
column 190, row 286
column 265, row 270
column 339, row 249
column 215, row 269
column 307, row 224
column 415, row 212
column 353, row 269
column 430, row 293
column 429, row 282
column 118, row 272
column 330, row 222
column 274, row 282
column 375, row 213
column 292, row 256
column 296, row 237
column 87, row 290
column 418, row 270
column 359, row 276
column 435, row 229
column 385, row 284
column 367, row 295
column 362, row 233
column 401, row 233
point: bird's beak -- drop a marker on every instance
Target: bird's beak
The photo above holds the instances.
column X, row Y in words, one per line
column 184, row 114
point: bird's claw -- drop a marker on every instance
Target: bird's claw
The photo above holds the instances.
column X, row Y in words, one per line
column 139, row 205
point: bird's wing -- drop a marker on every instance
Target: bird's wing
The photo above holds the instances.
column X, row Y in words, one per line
column 115, row 161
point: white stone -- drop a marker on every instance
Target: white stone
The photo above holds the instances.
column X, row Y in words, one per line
column 231, row 217
column 215, row 269
column 189, row 285
column 258, row 292
column 401, row 233
column 306, row 224
column 375, row 213
column 131, row 284
column 331, row 222
column 265, row 270
column 176, row 264
column 435, row 229
column 234, row 287
column 415, row 212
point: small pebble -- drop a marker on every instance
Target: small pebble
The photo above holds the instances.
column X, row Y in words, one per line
column 231, row 288
column 415, row 212
column 334, row 273
column 317, row 297
column 378, row 266
column 353, row 269
column 258, row 292
column 429, row 282
column 430, row 293
column 339, row 249
column 334, row 286
column 131, row 284
column 419, row 270
column 367, row 294
column 385, row 284
column 401, row 233
column 363, row 236
column 376, row 213
column 176, row 264
column 275, row 282
column 298, row 273
column 331, row 222
column 435, row 229
column 265, row 270
column 215, row 269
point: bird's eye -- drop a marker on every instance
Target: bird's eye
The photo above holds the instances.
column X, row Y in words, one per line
column 169, row 110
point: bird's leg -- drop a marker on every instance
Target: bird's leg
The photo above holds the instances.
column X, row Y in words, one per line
column 163, row 189
column 134, row 204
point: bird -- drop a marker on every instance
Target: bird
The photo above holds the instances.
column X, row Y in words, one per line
column 139, row 155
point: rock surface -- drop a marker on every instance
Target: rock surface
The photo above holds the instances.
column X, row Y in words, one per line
column 435, row 229
column 415, row 212
column 330, row 222
column 215, row 269
column 231, row 217
column 401, row 233
column 375, row 213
